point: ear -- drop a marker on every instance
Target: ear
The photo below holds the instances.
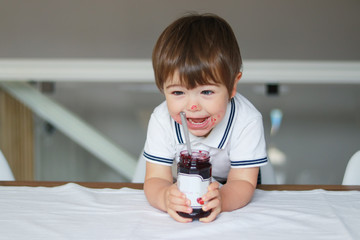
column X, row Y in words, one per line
column 237, row 79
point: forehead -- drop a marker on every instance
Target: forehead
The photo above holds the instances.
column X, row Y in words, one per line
column 173, row 79
column 185, row 81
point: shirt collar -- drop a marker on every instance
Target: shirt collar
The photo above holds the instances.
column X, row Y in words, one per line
column 219, row 135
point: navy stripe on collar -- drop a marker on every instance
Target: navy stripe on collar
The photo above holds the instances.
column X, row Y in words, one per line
column 178, row 133
column 228, row 126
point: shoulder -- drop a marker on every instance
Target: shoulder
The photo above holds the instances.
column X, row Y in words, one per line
column 161, row 110
column 247, row 118
column 160, row 140
column 244, row 109
column 161, row 115
column 247, row 145
column 160, row 123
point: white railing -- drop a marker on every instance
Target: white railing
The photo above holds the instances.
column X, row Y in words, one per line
column 140, row 70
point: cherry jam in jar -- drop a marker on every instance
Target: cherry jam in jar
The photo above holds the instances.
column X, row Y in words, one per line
column 194, row 177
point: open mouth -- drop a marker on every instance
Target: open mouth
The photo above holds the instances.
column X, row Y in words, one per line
column 197, row 122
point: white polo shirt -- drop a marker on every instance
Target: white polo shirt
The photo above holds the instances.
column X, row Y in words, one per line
column 236, row 142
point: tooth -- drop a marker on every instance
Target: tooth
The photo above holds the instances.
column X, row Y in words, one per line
column 198, row 123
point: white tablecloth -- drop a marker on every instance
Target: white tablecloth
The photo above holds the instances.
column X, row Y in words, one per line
column 75, row 212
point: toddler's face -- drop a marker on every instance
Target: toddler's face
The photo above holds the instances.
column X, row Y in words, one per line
column 205, row 105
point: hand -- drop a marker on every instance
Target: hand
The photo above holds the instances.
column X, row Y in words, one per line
column 213, row 199
column 176, row 201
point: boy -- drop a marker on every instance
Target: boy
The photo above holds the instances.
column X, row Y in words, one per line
column 197, row 64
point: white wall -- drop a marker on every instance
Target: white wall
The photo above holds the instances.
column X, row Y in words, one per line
column 319, row 133
column 275, row 29
column 321, row 122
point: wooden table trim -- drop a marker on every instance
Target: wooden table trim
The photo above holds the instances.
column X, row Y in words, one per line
column 118, row 185
column 114, row 185
column 291, row 187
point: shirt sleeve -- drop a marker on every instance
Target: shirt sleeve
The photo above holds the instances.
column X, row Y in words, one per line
column 159, row 142
column 248, row 148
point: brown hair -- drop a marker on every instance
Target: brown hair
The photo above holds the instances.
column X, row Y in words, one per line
column 202, row 48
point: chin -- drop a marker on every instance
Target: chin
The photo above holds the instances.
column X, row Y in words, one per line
column 200, row 133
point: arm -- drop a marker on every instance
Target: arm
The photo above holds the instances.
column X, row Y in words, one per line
column 235, row 194
column 239, row 188
column 162, row 193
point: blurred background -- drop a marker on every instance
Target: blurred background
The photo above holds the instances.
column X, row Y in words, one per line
column 320, row 121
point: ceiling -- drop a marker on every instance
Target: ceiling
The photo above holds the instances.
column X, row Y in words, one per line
column 122, row 29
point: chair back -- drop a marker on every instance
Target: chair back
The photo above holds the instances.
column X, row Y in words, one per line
column 139, row 175
column 5, row 170
column 352, row 171
column 268, row 174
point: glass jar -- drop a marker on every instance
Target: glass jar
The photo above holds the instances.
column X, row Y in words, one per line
column 194, row 177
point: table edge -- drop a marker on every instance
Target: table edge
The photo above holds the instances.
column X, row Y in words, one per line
column 118, row 185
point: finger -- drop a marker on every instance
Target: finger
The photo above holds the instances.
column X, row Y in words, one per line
column 178, row 218
column 213, row 186
column 213, row 204
column 178, row 199
column 175, row 197
column 214, row 213
column 179, row 208
column 175, row 191
column 213, row 191
column 210, row 218
column 211, row 195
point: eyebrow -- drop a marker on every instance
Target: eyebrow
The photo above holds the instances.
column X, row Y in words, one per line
column 174, row 85
column 180, row 85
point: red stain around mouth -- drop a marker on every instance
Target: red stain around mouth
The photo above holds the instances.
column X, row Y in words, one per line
column 213, row 121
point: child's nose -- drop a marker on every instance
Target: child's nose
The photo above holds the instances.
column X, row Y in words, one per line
column 193, row 104
column 193, row 107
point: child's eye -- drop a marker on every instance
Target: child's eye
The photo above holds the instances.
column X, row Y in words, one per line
column 207, row 92
column 177, row 93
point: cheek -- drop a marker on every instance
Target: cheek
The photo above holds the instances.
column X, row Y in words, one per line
column 171, row 105
column 216, row 119
column 174, row 108
column 174, row 113
column 177, row 118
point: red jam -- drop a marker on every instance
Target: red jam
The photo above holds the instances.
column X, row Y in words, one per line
column 194, row 176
